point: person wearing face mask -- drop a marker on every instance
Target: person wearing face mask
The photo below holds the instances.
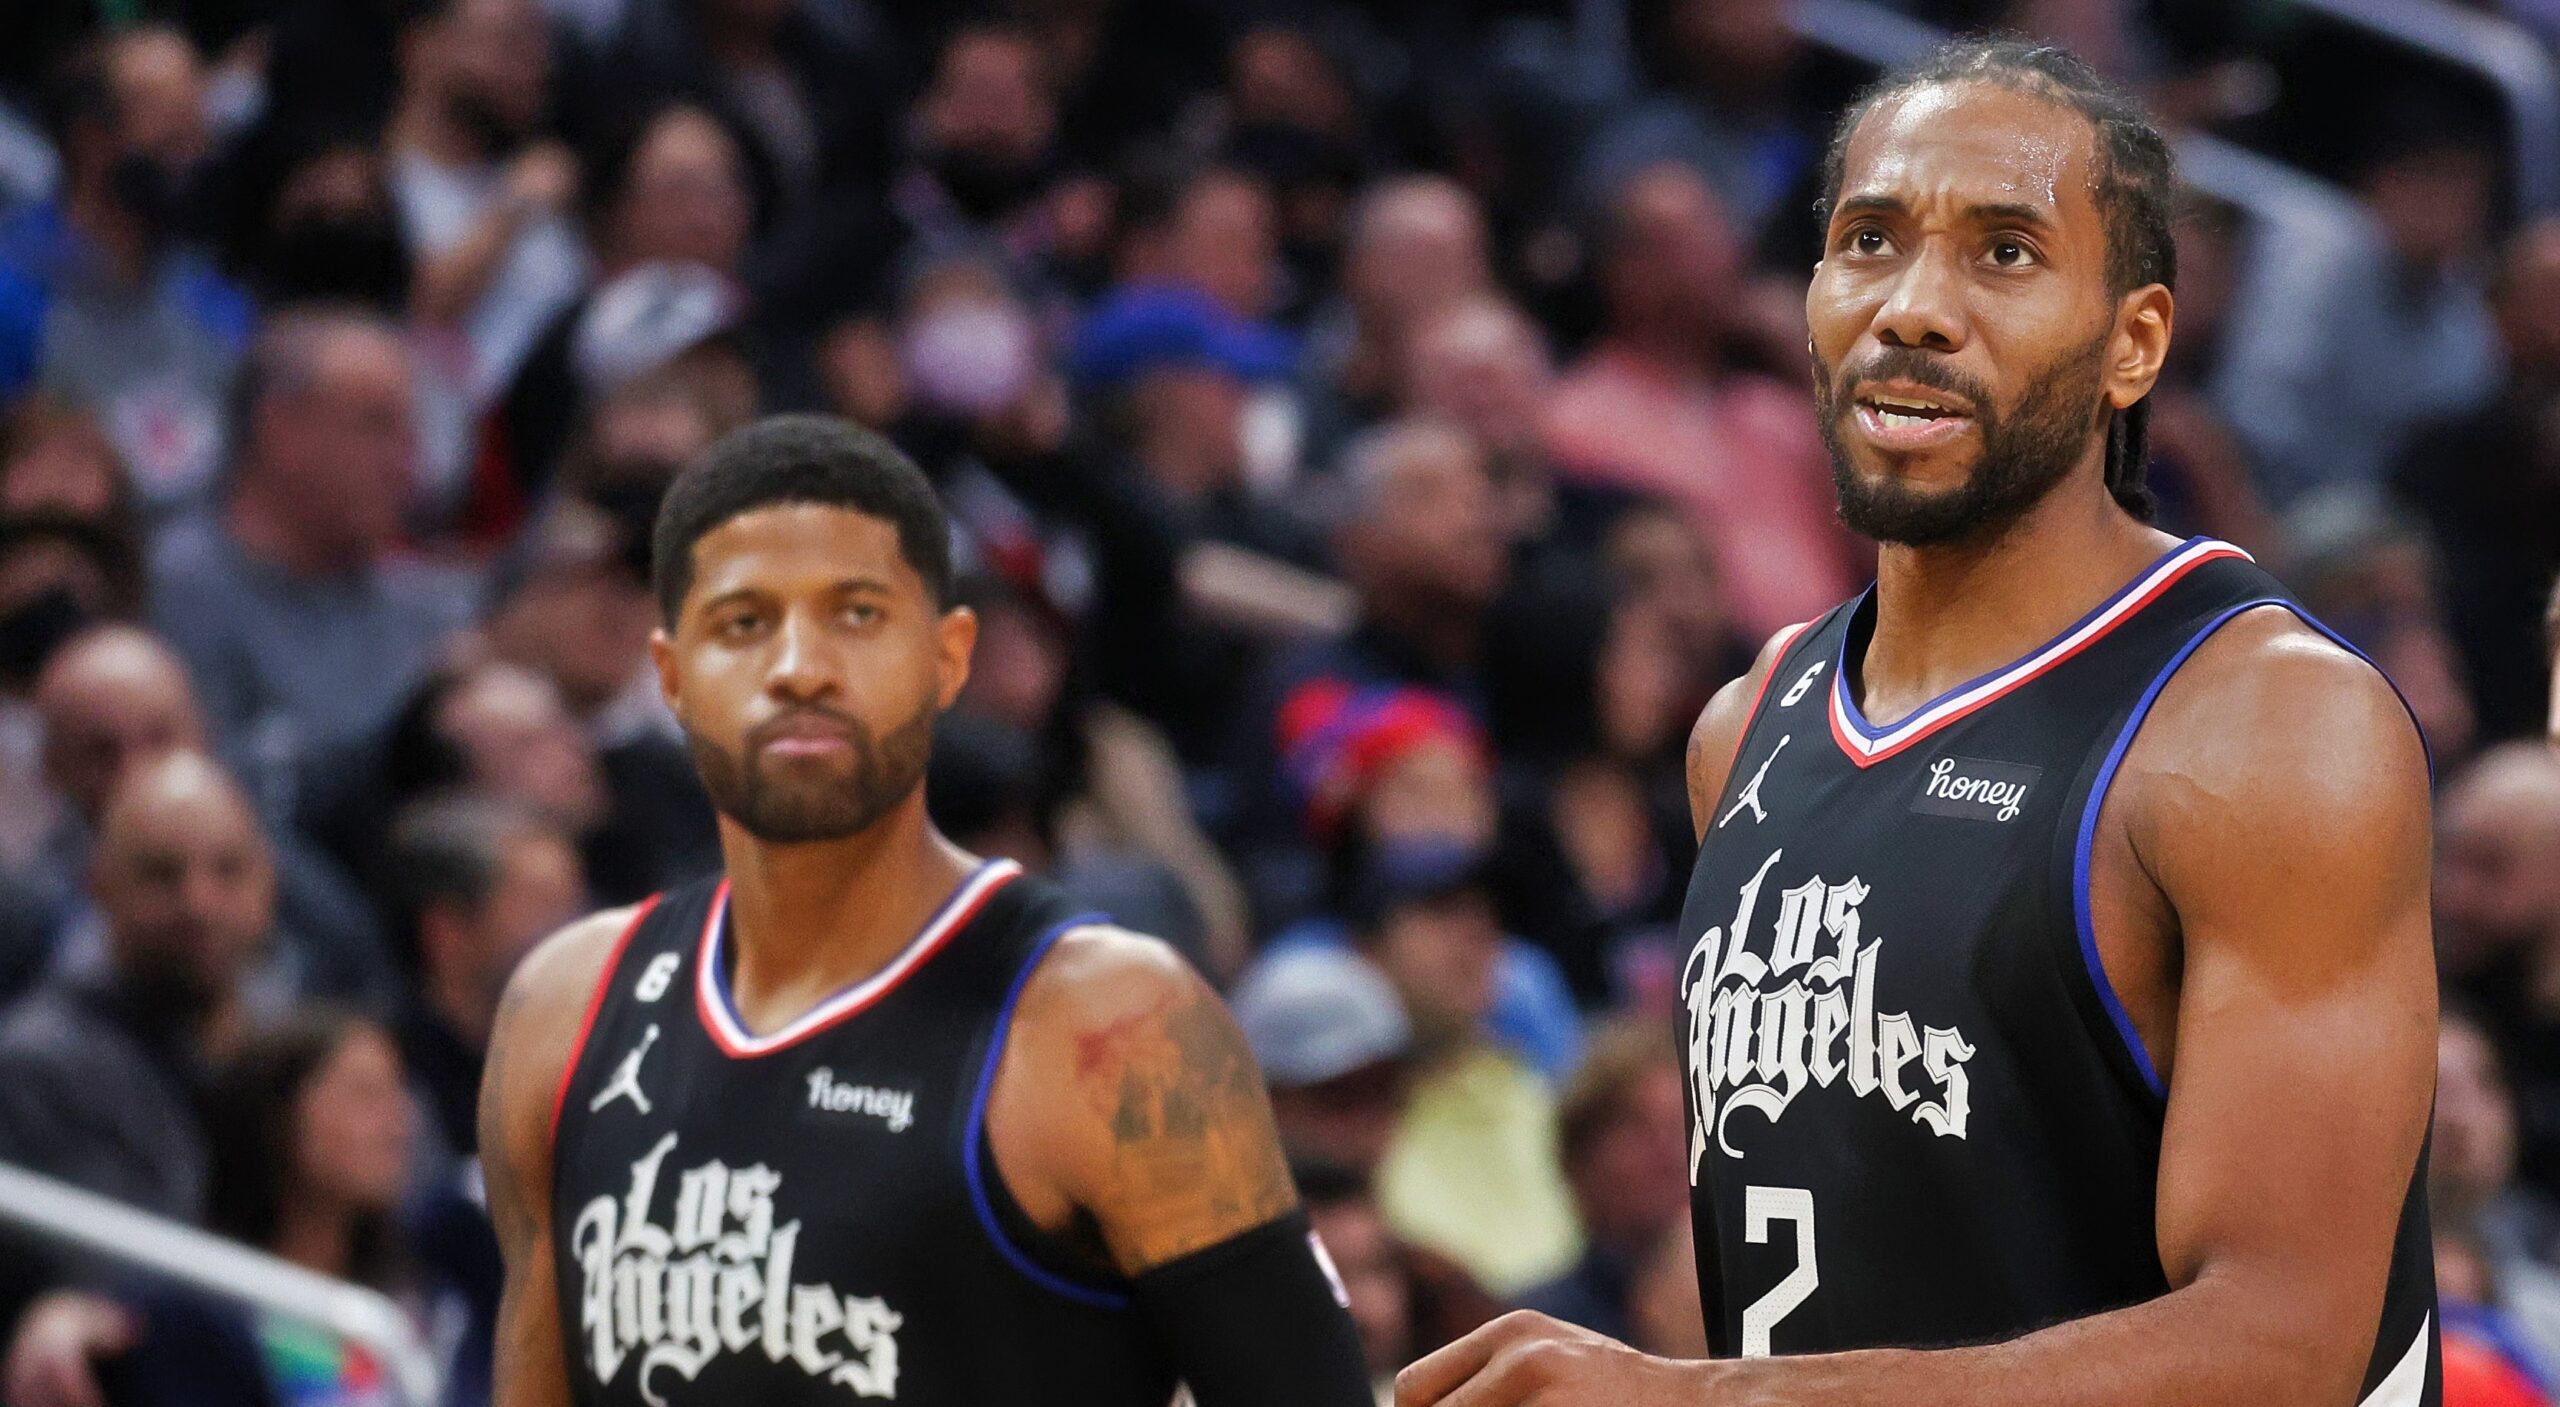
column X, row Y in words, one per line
column 102, row 297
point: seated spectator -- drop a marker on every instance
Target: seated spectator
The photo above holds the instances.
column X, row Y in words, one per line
column 1622, row 1131
column 101, row 298
column 55, row 458
column 1416, row 247
column 1472, row 1170
column 1657, row 407
column 2497, row 923
column 1330, row 1034
column 2371, row 575
column 301, row 627
column 186, row 891
column 1727, row 108
column 2472, row 1190
column 311, row 1132
column 115, row 698
column 1367, row 1263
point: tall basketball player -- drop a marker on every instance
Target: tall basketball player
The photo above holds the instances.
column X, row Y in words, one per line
column 2060, row 1012
column 867, row 1117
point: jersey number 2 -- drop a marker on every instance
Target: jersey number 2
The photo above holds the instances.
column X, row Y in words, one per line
column 1761, row 1206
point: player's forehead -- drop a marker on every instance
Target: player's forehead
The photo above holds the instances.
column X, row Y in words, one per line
column 786, row 549
column 1943, row 149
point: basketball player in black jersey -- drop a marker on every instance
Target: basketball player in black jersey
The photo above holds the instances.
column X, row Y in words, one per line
column 868, row 1118
column 2059, row 1008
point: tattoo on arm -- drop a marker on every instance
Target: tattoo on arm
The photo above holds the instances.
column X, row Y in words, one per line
column 1194, row 1156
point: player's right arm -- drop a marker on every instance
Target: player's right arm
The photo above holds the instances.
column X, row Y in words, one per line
column 1717, row 736
column 530, row 1047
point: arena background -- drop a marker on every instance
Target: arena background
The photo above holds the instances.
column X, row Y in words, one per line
column 1371, row 432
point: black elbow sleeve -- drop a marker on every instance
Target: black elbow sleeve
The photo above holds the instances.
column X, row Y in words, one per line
column 1258, row 1321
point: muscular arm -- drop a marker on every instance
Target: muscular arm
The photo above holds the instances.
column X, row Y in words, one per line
column 2276, row 804
column 1127, row 1098
column 1718, row 733
column 529, row 1048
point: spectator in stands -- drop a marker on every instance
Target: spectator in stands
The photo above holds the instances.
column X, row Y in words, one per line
column 1294, row 117
column 183, row 881
column 984, row 156
column 2372, row 576
column 485, row 200
column 2487, row 485
column 101, row 298
column 298, row 623
column 1621, row 1128
column 1726, row 111
column 1417, row 246
column 311, row 1132
column 1331, row 1036
column 2342, row 350
column 2497, row 921
column 1482, row 366
column 1656, row 407
column 2472, row 1190
column 2201, row 472
column 55, row 458
column 1472, row 1171
column 481, row 882
column 115, row 698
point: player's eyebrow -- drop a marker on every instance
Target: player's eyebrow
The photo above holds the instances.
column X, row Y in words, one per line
column 1981, row 212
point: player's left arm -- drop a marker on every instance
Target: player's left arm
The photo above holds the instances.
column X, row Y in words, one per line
column 2275, row 805
column 1129, row 1103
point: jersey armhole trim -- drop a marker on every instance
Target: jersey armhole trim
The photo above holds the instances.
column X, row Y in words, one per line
column 1787, row 639
column 973, row 1136
column 595, row 1007
column 2082, row 921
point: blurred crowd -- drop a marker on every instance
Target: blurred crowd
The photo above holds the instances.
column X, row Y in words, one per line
column 1371, row 431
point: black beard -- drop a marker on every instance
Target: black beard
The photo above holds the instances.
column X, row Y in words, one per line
column 2025, row 452
column 885, row 772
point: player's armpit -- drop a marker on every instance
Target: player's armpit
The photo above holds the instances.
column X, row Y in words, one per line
column 1128, row 1096
column 530, row 1046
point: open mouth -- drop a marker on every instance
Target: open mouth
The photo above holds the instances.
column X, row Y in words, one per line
column 1906, row 417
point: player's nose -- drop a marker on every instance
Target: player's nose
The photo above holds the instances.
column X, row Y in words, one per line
column 1923, row 307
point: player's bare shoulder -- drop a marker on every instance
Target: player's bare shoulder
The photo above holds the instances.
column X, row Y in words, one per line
column 1145, row 1105
column 2272, row 730
column 537, row 1027
column 1718, row 731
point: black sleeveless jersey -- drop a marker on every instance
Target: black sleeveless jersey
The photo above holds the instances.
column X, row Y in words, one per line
column 1919, row 1116
column 813, row 1216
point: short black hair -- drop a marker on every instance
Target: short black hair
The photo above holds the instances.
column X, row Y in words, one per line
column 2134, row 185
column 799, row 459
column 450, row 849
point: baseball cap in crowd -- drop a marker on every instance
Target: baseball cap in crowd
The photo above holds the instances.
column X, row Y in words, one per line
column 1145, row 328
column 1335, row 738
column 1316, row 1013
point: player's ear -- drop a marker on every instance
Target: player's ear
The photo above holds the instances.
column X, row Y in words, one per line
column 662, row 658
column 2140, row 346
column 956, row 640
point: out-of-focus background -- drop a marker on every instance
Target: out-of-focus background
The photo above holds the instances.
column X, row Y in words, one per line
column 1371, row 430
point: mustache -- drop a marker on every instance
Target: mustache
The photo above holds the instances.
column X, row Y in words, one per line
column 1910, row 364
column 846, row 724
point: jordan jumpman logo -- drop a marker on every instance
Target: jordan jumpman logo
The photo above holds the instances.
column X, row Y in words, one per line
column 1751, row 790
column 626, row 1077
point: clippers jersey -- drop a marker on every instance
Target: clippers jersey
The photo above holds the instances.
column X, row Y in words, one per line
column 813, row 1216
column 1919, row 1116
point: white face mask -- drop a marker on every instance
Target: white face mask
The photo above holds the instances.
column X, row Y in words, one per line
column 972, row 358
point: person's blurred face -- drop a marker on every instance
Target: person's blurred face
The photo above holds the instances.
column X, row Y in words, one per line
column 1226, row 245
column 1417, row 247
column 1674, row 265
column 807, row 664
column 1484, row 369
column 1664, row 563
column 182, row 880
column 342, row 446
column 687, row 198
column 2434, row 206
column 1965, row 343
column 1440, row 954
column 1436, row 532
column 1020, row 669
column 1348, row 1120
column 1632, row 1181
column 2498, row 827
column 1437, row 790
column 1737, row 47
column 586, row 626
column 1364, row 1255
column 109, row 703
column 2473, row 1156
column 159, row 90
column 540, row 888
column 1190, row 426
column 353, row 1126
column 497, row 67
column 990, row 97
column 2527, row 303
column 520, row 744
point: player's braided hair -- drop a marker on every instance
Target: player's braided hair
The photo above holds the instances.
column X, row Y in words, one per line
column 2134, row 185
